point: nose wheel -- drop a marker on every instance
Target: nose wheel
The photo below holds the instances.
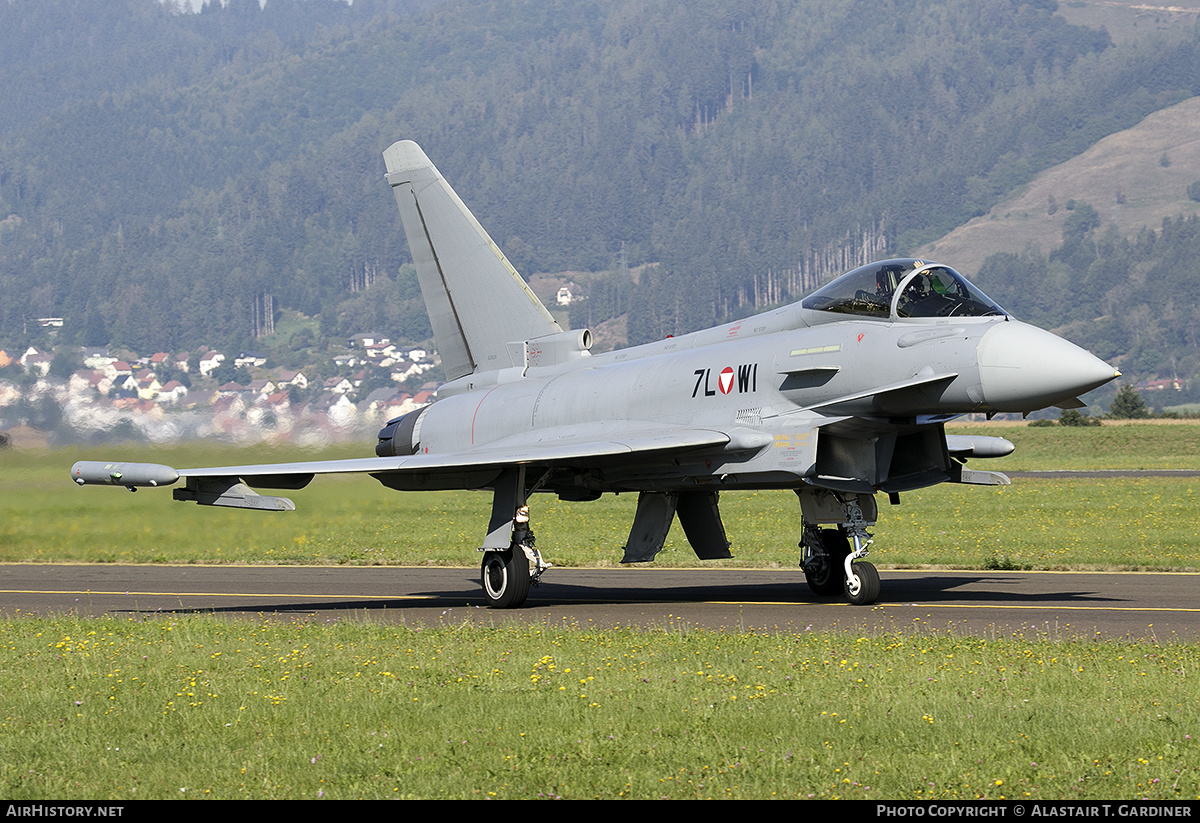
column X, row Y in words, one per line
column 862, row 583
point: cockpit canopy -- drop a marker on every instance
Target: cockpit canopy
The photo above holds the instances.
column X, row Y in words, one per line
column 903, row 288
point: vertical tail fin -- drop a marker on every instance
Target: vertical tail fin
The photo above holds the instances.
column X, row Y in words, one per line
column 477, row 302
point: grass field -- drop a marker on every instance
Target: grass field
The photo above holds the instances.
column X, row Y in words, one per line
column 1148, row 444
column 1077, row 523
column 168, row 707
column 115, row 709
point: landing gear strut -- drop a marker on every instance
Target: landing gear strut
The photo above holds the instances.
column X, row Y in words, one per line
column 507, row 575
column 832, row 558
column 511, row 562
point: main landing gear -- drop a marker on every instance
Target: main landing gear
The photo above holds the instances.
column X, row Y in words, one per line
column 507, row 574
column 832, row 558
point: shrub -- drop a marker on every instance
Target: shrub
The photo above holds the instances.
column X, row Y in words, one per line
column 1073, row 417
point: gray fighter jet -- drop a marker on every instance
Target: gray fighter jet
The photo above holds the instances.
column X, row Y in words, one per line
column 838, row 397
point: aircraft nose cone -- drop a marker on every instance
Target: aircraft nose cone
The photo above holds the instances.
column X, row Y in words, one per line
column 1023, row 368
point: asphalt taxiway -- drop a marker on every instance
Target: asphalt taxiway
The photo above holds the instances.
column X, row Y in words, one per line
column 1159, row 606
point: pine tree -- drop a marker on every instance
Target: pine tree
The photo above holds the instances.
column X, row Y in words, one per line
column 1128, row 405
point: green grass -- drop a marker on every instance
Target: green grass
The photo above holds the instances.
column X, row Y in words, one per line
column 200, row 706
column 1115, row 445
column 1130, row 523
column 116, row 709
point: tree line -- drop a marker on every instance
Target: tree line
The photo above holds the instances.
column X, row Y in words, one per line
column 749, row 150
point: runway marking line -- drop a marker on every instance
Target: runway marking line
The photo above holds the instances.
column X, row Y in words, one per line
column 227, row 594
column 1043, row 607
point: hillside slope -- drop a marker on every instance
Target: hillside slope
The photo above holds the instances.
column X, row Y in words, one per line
column 164, row 196
column 1133, row 178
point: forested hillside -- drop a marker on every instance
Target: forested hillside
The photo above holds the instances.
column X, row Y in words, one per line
column 169, row 179
column 1133, row 301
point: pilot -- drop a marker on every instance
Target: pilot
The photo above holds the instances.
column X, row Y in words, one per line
column 931, row 295
column 915, row 293
column 885, row 285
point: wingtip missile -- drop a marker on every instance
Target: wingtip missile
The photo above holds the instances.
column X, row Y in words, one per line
column 130, row 475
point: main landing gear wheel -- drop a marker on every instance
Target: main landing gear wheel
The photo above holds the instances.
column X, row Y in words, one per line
column 505, row 577
column 862, row 587
column 827, row 577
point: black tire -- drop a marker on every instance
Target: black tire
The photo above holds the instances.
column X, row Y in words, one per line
column 505, row 578
column 828, row 578
column 866, row 591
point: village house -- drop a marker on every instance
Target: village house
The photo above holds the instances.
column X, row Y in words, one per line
column 117, row 369
column 338, row 408
column 383, row 403
column 249, row 360
column 278, row 402
column 292, row 378
column 209, row 361
column 172, row 393
column 229, row 390
column 147, row 384
column 1159, row 385
column 125, row 385
column 261, row 388
column 338, row 385
column 87, row 383
column 98, row 358
column 34, row 360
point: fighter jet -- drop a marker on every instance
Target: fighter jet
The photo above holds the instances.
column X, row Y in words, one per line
column 839, row 397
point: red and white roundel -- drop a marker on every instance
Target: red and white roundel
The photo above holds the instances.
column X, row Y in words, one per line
column 726, row 380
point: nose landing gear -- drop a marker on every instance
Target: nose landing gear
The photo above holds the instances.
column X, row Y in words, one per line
column 830, row 564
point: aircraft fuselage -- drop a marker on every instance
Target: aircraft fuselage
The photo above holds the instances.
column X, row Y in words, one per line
column 772, row 382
